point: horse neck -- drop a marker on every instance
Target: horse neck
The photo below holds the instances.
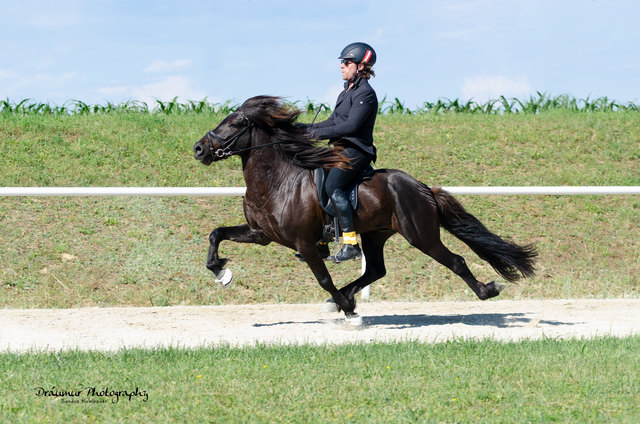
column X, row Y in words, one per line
column 265, row 170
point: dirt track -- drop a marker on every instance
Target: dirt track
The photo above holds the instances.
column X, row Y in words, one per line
column 191, row 326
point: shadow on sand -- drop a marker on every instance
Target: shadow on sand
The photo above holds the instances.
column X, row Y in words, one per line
column 422, row 320
column 488, row 319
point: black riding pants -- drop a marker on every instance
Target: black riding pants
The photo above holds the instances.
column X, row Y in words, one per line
column 341, row 178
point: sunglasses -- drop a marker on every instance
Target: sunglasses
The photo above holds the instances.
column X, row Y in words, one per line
column 347, row 61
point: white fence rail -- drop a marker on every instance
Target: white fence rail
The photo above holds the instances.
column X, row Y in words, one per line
column 240, row 191
column 122, row 191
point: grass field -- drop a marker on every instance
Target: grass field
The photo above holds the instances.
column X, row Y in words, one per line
column 62, row 252
column 68, row 252
column 458, row 381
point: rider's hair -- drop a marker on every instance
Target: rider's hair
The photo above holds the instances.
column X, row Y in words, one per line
column 367, row 72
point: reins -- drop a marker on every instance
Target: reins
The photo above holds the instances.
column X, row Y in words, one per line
column 225, row 145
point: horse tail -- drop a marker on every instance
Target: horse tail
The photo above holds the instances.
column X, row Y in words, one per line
column 507, row 258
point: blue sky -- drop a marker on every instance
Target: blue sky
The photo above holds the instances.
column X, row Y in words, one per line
column 99, row 51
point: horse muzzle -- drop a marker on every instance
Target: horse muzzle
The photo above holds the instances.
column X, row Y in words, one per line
column 202, row 153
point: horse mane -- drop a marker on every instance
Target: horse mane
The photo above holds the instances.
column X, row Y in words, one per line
column 277, row 119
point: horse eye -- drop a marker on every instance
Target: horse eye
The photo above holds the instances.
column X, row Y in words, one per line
column 238, row 123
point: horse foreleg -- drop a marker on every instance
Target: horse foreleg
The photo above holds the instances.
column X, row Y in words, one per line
column 240, row 234
column 312, row 257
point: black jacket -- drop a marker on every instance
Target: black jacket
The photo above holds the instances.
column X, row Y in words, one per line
column 352, row 119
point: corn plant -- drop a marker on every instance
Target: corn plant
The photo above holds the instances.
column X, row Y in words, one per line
column 539, row 103
column 396, row 106
column 311, row 107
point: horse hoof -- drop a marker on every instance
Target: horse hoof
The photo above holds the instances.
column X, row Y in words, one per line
column 493, row 290
column 497, row 286
column 224, row 277
column 354, row 320
column 330, row 306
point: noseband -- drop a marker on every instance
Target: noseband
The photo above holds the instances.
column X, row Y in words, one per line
column 225, row 145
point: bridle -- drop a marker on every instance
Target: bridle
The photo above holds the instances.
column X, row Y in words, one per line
column 225, row 145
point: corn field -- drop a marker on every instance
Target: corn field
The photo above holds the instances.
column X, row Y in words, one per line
column 534, row 104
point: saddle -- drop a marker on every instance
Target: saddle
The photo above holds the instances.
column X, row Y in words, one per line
column 320, row 176
column 331, row 229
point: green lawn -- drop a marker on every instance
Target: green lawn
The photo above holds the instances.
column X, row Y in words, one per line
column 458, row 381
column 151, row 251
column 70, row 252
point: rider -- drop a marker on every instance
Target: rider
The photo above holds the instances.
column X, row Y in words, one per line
column 350, row 127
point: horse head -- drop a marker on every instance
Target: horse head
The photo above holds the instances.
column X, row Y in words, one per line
column 233, row 134
column 266, row 121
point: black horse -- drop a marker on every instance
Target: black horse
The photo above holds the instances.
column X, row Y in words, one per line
column 281, row 205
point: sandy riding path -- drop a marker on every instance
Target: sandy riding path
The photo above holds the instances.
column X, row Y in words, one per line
column 192, row 326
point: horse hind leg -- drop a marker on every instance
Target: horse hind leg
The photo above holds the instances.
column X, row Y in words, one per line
column 426, row 237
column 458, row 265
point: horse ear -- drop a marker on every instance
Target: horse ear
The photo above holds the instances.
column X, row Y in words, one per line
column 257, row 109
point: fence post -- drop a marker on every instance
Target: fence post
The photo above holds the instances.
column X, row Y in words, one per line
column 365, row 292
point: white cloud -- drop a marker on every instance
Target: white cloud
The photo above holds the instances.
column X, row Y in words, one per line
column 7, row 74
column 70, row 76
column 22, row 85
column 161, row 66
column 164, row 90
column 484, row 87
column 467, row 34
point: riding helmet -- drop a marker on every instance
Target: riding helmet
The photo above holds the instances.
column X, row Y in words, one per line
column 359, row 53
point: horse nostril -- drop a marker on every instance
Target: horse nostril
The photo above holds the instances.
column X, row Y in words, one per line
column 197, row 150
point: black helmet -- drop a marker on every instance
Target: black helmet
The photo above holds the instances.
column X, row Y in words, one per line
column 359, row 53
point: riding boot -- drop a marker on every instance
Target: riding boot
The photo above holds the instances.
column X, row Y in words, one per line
column 350, row 248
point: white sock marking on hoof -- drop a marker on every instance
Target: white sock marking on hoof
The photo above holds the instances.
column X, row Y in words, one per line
column 354, row 321
column 224, row 277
